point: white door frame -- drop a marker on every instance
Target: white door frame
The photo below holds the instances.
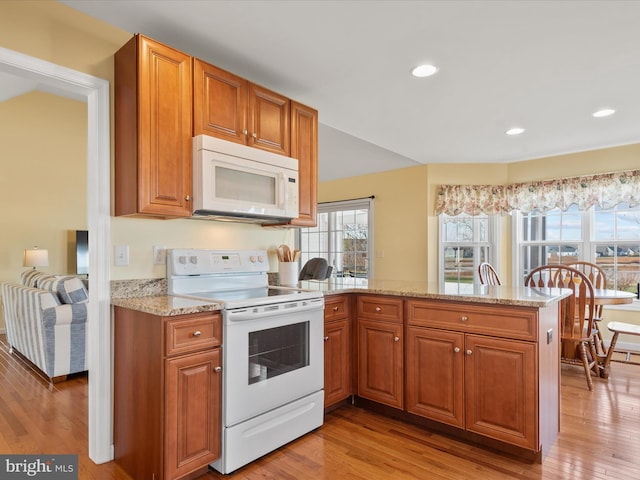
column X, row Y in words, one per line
column 95, row 91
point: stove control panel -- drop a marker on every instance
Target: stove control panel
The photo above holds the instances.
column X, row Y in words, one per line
column 182, row 261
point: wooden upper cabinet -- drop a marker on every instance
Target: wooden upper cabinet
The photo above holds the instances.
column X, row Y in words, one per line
column 269, row 127
column 153, row 115
column 229, row 107
column 304, row 147
column 219, row 103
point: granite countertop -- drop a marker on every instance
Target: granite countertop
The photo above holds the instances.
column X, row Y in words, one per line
column 165, row 305
column 497, row 295
column 150, row 295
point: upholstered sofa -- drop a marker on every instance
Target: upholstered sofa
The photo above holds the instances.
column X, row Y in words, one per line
column 46, row 322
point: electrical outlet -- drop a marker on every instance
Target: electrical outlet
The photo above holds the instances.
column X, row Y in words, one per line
column 159, row 254
column 122, row 255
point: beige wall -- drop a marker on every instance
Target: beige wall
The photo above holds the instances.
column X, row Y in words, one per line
column 604, row 160
column 400, row 209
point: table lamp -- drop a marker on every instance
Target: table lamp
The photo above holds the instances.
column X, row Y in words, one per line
column 36, row 258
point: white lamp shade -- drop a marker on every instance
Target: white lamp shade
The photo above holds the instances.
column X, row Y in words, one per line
column 36, row 258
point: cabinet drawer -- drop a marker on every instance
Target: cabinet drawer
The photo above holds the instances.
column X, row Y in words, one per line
column 380, row 308
column 336, row 307
column 495, row 320
column 190, row 333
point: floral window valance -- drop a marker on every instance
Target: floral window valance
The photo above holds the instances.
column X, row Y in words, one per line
column 604, row 190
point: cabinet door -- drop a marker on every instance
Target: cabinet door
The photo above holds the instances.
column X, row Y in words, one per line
column 192, row 416
column 435, row 375
column 304, row 147
column 219, row 103
column 269, row 127
column 380, row 362
column 501, row 390
column 337, row 371
column 153, row 158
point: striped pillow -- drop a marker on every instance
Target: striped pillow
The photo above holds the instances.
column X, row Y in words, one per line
column 70, row 289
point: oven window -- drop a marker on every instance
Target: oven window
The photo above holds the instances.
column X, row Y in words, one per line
column 278, row 350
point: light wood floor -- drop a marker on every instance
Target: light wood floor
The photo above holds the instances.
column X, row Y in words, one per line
column 599, row 439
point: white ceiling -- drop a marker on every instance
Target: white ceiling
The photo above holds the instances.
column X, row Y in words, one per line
column 542, row 65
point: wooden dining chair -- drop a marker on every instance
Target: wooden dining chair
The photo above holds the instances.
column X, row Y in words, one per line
column 598, row 278
column 488, row 274
column 576, row 314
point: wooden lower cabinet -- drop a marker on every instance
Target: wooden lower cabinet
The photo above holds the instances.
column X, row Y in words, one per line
column 501, row 389
column 380, row 350
column 482, row 384
column 435, row 375
column 192, row 418
column 167, row 393
column 337, row 349
column 337, row 368
column 490, row 370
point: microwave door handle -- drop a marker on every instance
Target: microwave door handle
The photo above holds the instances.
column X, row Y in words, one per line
column 282, row 201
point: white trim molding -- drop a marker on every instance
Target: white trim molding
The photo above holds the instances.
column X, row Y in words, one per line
column 71, row 83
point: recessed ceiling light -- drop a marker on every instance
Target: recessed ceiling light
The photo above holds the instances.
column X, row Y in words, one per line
column 605, row 112
column 515, row 131
column 424, row 70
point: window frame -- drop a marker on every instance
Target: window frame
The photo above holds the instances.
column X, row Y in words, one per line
column 587, row 244
column 346, row 205
column 492, row 244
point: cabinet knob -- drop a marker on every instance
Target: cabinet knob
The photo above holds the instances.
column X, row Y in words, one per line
column 457, row 349
column 396, row 339
column 254, row 135
column 218, row 369
column 464, row 318
column 197, row 333
column 378, row 309
column 326, row 339
column 469, row 352
column 187, row 198
column 244, row 132
column 335, row 309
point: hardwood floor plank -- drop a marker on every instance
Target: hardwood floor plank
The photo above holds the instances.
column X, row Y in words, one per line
column 599, row 438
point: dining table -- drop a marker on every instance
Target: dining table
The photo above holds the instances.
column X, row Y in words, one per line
column 604, row 296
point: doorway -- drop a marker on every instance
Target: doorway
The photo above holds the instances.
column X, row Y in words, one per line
column 95, row 92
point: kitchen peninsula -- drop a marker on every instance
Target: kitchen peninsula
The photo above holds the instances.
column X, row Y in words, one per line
column 482, row 366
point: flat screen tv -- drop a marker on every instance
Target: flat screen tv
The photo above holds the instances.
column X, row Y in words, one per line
column 82, row 252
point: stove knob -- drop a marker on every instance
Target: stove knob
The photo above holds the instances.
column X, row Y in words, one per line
column 260, row 259
column 193, row 259
column 182, row 259
column 252, row 259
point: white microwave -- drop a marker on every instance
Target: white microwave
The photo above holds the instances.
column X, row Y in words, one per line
column 233, row 181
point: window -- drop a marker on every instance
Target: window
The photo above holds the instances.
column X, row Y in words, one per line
column 344, row 236
column 609, row 238
column 465, row 242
